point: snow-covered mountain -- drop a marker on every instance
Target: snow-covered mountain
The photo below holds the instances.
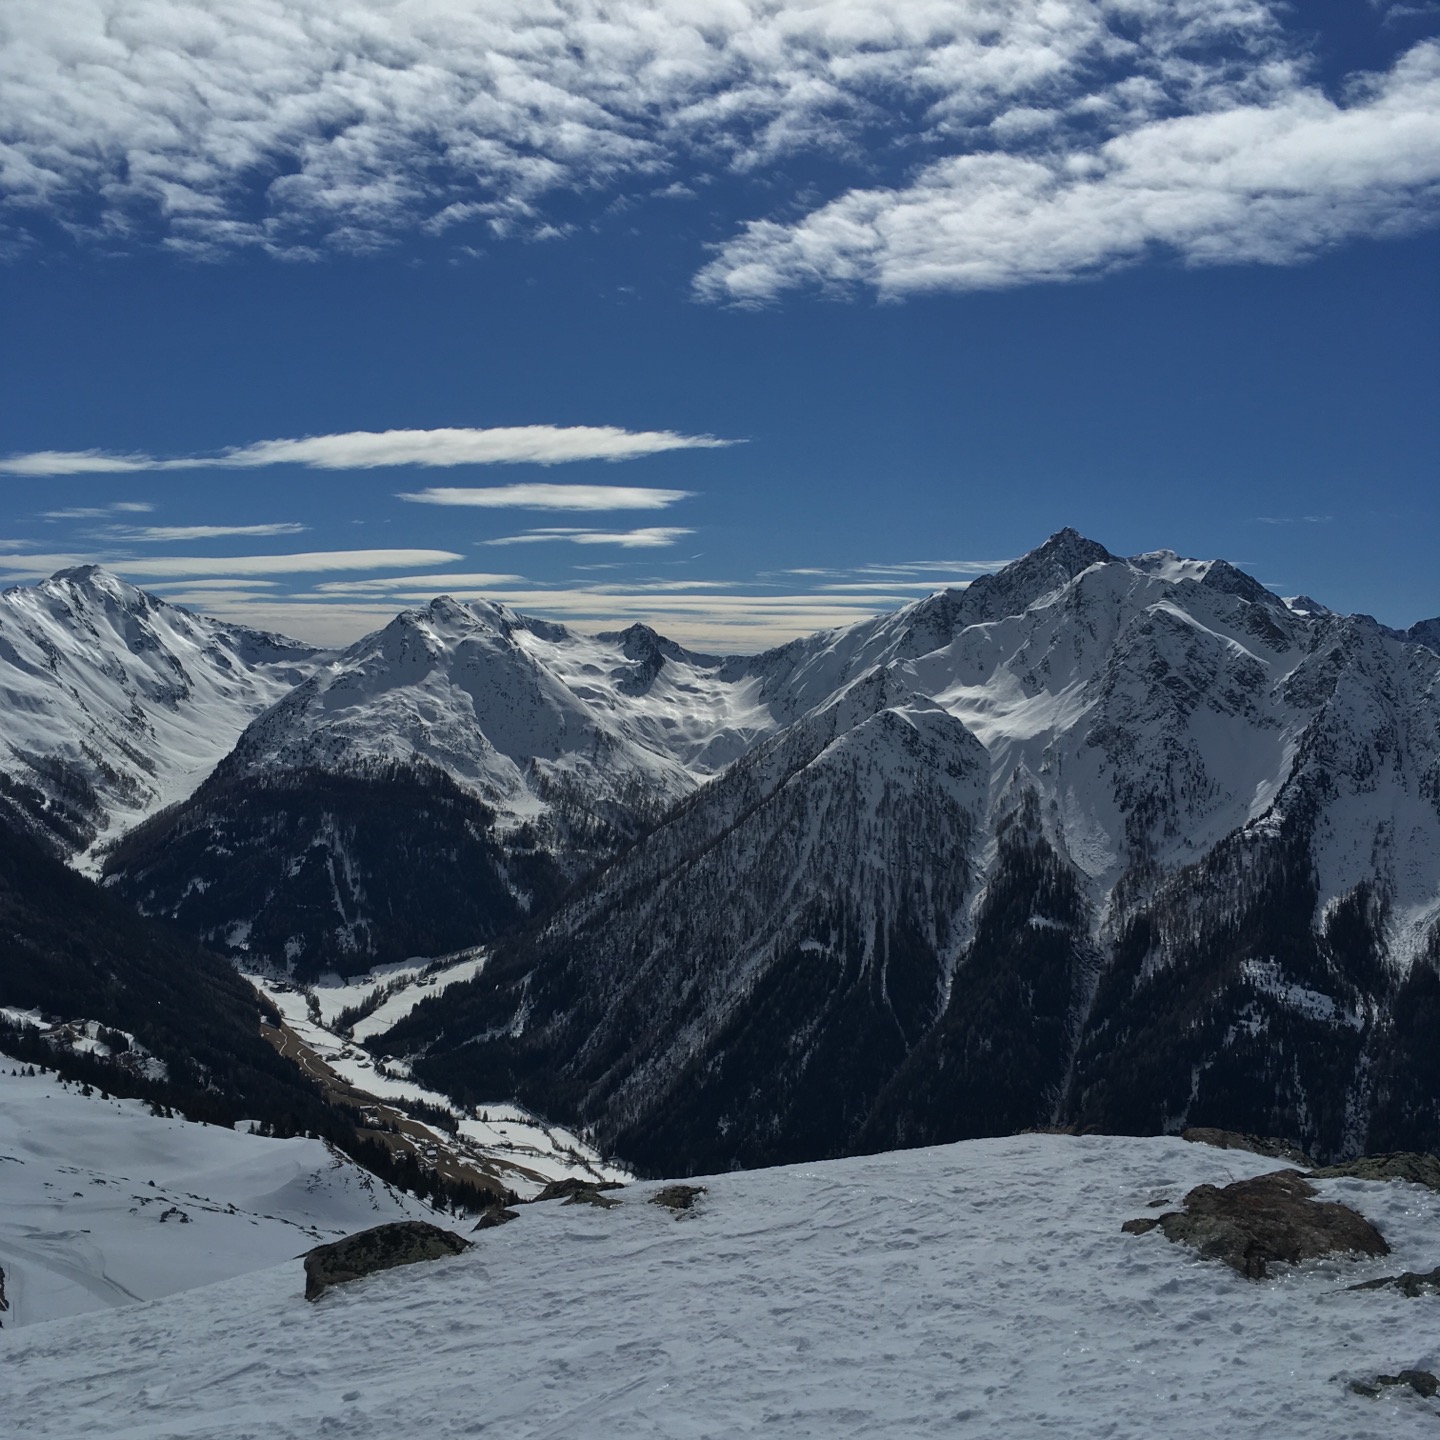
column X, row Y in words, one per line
column 464, row 751
column 114, row 703
column 983, row 1289
column 1125, row 841
column 1128, row 841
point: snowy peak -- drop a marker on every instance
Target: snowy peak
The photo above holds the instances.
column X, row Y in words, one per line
column 1014, row 589
column 118, row 703
column 1425, row 632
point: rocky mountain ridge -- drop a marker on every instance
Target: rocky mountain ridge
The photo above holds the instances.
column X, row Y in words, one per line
column 116, row 703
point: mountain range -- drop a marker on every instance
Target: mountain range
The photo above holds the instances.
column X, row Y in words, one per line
column 1122, row 843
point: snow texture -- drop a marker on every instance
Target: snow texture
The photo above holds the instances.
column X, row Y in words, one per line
column 982, row 1289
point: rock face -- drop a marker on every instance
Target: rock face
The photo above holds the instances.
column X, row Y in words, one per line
column 496, row 1216
column 1252, row 1224
column 403, row 1242
column 1266, row 1145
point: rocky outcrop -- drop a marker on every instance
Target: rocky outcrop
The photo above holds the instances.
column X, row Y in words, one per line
column 1269, row 1219
column 403, row 1242
column 580, row 1192
column 1422, row 1382
column 495, row 1216
column 1411, row 1283
column 1417, row 1167
column 1267, row 1145
column 678, row 1198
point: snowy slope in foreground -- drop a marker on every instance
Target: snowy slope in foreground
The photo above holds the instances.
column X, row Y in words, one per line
column 92, row 1195
column 983, row 1289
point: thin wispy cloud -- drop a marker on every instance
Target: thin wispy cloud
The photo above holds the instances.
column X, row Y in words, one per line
column 647, row 538
column 369, row 450
column 172, row 533
column 230, row 585
column 99, row 512
column 1048, row 138
column 926, row 587
column 937, row 573
column 436, row 584
column 1294, row 519
column 200, row 566
column 550, row 497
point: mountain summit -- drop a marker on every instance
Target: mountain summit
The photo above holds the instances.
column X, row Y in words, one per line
column 117, row 703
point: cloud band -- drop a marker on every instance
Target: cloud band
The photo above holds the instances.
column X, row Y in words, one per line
column 369, row 450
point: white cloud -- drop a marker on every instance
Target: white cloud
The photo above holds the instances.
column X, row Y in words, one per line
column 366, row 450
column 884, row 587
column 551, row 497
column 203, row 532
column 650, row 537
column 229, row 585
column 199, row 566
column 291, row 125
column 437, row 584
column 1273, row 182
column 99, row 512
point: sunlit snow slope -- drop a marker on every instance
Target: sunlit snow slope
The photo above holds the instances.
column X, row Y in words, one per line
column 114, row 703
column 982, row 1290
column 103, row 1203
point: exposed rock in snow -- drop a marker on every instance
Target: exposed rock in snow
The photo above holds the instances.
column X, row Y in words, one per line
column 1267, row 1220
column 382, row 1247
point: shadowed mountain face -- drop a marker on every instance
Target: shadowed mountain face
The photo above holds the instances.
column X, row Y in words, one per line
column 1130, row 843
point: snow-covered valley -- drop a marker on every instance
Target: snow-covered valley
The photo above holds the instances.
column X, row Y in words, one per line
column 503, row 1142
column 982, row 1289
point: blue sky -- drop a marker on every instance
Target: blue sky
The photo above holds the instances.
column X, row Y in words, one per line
column 943, row 276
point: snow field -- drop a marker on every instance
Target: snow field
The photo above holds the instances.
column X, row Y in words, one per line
column 84, row 1183
column 982, row 1289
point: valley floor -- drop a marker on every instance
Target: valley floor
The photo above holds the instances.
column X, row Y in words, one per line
column 982, row 1289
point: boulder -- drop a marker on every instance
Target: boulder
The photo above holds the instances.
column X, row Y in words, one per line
column 495, row 1215
column 1422, row 1382
column 1412, row 1283
column 1415, row 1166
column 403, row 1242
column 678, row 1198
column 1253, row 1224
column 1267, row 1145
column 579, row 1192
